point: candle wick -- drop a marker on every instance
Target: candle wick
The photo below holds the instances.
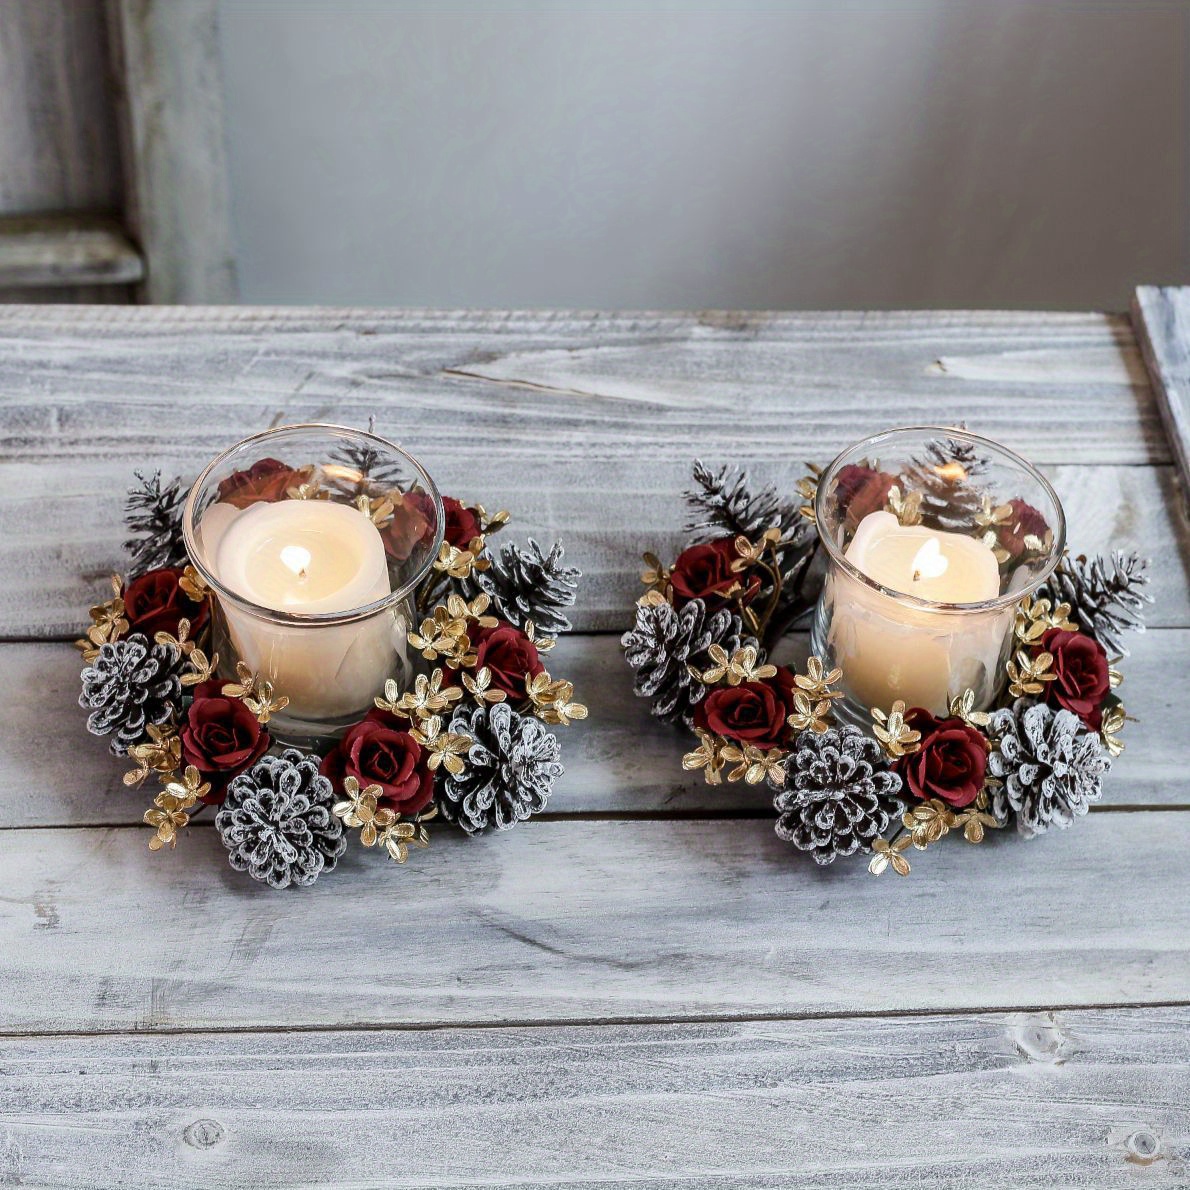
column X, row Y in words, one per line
column 916, row 575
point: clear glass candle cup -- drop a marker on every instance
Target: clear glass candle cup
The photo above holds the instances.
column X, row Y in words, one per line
column 968, row 524
column 373, row 522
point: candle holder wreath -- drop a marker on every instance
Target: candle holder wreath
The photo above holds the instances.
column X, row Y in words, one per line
column 959, row 678
column 325, row 645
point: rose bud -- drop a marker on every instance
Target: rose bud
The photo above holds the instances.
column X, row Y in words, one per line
column 750, row 713
column 380, row 751
column 705, row 572
column 950, row 764
column 1083, row 681
column 220, row 737
column 154, row 602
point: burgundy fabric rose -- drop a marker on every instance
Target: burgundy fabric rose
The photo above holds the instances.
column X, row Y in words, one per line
column 153, row 602
column 1082, row 684
column 220, row 737
column 1025, row 521
column 510, row 655
column 263, row 482
column 752, row 712
column 380, row 751
column 951, row 763
column 413, row 524
column 704, row 572
column 861, row 490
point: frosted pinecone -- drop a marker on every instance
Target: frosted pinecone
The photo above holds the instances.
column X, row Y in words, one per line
column 839, row 794
column 665, row 642
column 722, row 503
column 949, row 503
column 526, row 585
column 276, row 821
column 1106, row 594
column 510, row 769
column 153, row 515
column 132, row 684
column 1049, row 764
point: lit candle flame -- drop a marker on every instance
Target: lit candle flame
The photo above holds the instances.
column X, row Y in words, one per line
column 297, row 558
column 929, row 561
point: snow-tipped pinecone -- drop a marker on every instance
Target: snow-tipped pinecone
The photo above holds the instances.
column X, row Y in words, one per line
column 839, row 794
column 276, row 821
column 1106, row 594
column 665, row 642
column 951, row 497
column 529, row 585
column 511, row 769
column 366, row 467
column 1049, row 764
column 721, row 502
column 132, row 684
column 153, row 515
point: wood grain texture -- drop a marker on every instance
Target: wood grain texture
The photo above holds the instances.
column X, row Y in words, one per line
column 619, row 760
column 87, row 395
column 59, row 150
column 1076, row 1098
column 587, row 921
column 1162, row 319
column 57, row 250
column 171, row 114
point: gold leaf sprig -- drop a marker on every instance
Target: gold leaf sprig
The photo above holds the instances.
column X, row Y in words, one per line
column 193, row 585
column 553, row 701
column 446, row 748
column 807, row 488
column 1028, row 673
column 256, row 693
column 480, row 686
column 461, row 563
column 895, row 735
column 753, row 764
column 446, row 631
column 1035, row 617
column 201, row 668
column 170, row 810
column 744, row 665
column 655, row 577
column 812, row 697
column 707, row 757
column 161, row 754
column 376, row 824
column 1113, row 722
column 962, row 706
column 888, row 853
column 108, row 622
column 427, row 698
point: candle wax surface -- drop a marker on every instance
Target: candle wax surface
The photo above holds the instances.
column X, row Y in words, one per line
column 297, row 566
column 928, row 563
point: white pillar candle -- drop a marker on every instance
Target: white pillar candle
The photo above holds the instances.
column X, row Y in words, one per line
column 306, row 557
column 890, row 649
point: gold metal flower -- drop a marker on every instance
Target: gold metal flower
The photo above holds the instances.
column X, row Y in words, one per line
column 459, row 563
column 169, row 813
column 896, row 736
column 552, row 700
column 749, row 553
column 1114, row 719
column 1028, row 674
column 398, row 836
column 445, row 748
column 707, row 757
column 108, row 622
column 655, row 575
column 256, row 693
column 189, row 788
column 193, row 585
column 1035, row 617
column 906, row 506
column 378, row 509
column 162, row 753
column 809, row 715
column 543, row 644
column 202, row 668
column 974, row 822
column 359, row 809
column 753, row 764
column 741, row 666
column 428, row 697
column 807, row 488
column 962, row 706
column 889, row 852
column 928, row 822
column 480, row 686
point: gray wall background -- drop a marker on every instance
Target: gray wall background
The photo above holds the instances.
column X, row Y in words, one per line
column 814, row 153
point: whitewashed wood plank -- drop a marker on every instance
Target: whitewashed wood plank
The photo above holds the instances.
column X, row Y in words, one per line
column 166, row 54
column 580, row 920
column 618, row 761
column 655, row 387
column 1075, row 1098
column 58, row 250
column 1162, row 319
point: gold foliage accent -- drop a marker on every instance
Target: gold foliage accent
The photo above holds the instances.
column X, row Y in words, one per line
column 894, row 734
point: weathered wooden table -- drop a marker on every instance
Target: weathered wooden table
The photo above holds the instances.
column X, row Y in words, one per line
column 645, row 986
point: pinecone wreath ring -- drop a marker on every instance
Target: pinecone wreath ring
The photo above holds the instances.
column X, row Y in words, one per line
column 314, row 643
column 1016, row 725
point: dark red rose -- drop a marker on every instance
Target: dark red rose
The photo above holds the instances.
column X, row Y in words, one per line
column 1025, row 521
column 704, row 572
column 462, row 523
column 752, row 712
column 861, row 490
column 154, row 602
column 1082, row 684
column 220, row 737
column 263, row 482
column 412, row 525
column 510, row 655
column 951, row 763
column 380, row 751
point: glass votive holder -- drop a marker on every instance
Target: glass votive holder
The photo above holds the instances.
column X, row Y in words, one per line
column 932, row 537
column 313, row 540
